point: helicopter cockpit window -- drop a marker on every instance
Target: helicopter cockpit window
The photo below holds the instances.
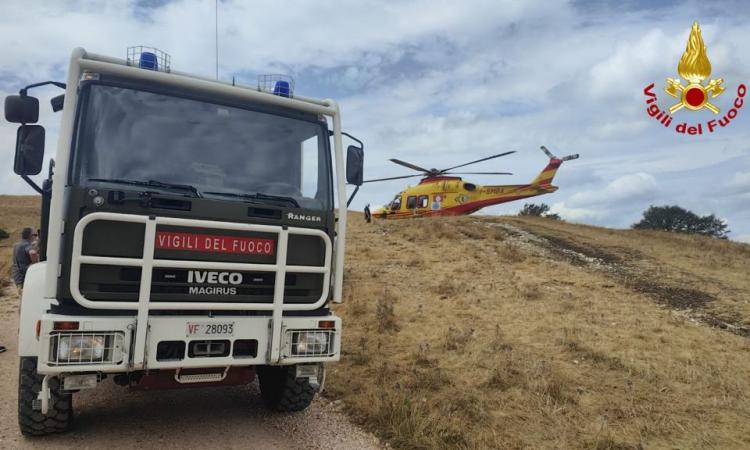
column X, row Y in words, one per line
column 411, row 202
column 423, row 201
column 396, row 203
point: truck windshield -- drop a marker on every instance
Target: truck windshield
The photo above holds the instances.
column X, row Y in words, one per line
column 222, row 151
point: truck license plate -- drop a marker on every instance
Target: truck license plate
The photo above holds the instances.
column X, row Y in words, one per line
column 219, row 329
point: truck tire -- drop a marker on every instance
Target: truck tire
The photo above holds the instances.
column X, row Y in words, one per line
column 282, row 391
column 33, row 422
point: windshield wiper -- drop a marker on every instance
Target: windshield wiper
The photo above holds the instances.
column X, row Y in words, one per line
column 259, row 196
column 151, row 183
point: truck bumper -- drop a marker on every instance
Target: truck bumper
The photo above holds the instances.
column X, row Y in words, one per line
column 75, row 344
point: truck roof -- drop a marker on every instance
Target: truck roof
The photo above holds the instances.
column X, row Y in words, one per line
column 93, row 62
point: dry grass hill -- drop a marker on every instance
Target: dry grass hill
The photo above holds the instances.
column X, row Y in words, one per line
column 503, row 332
column 506, row 332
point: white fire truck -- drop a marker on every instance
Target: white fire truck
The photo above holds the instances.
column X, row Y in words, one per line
column 192, row 235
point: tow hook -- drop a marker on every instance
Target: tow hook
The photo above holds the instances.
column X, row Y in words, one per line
column 41, row 403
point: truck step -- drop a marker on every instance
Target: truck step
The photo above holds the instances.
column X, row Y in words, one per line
column 210, row 377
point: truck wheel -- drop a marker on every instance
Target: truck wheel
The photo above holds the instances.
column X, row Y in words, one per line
column 282, row 391
column 33, row 422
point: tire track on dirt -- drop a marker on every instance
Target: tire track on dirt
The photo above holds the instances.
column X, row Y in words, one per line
column 693, row 302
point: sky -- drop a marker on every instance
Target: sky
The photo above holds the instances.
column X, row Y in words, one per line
column 439, row 83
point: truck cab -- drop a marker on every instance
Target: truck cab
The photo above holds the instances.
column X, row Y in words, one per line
column 192, row 235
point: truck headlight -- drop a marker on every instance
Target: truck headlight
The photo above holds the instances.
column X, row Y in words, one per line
column 81, row 348
column 310, row 343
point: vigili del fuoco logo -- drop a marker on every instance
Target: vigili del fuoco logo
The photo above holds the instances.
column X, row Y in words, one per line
column 695, row 95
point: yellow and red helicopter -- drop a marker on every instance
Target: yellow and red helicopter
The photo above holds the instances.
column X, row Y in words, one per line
column 441, row 194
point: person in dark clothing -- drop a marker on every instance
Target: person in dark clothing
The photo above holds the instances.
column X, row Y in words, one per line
column 368, row 214
column 24, row 255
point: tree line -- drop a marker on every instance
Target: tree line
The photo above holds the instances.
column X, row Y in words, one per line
column 663, row 218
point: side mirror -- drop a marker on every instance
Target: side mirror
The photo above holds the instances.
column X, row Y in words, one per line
column 21, row 109
column 29, row 150
column 355, row 158
column 57, row 102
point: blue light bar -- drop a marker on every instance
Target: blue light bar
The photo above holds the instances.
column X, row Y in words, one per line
column 148, row 61
column 148, row 58
column 276, row 84
column 281, row 88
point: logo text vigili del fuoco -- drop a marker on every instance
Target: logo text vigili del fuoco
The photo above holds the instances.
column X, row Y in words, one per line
column 695, row 95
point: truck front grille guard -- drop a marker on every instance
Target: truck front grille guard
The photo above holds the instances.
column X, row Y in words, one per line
column 148, row 262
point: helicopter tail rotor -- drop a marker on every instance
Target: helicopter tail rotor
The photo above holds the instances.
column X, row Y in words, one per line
column 548, row 153
column 564, row 158
column 544, row 179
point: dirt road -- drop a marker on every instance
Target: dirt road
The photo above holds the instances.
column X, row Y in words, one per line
column 232, row 417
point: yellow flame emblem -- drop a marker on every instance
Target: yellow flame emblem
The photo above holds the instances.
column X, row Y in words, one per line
column 694, row 67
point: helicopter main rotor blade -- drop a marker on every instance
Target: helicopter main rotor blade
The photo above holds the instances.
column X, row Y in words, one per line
column 477, row 173
column 569, row 157
column 391, row 178
column 477, row 161
column 409, row 165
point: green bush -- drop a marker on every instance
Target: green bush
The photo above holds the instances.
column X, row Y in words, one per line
column 541, row 210
column 674, row 218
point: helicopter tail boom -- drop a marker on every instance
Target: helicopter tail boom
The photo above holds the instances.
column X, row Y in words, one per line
column 544, row 179
column 548, row 173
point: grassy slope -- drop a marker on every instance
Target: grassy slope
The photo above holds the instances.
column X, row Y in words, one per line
column 507, row 332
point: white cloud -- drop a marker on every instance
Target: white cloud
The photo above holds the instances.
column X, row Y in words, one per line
column 632, row 61
column 438, row 84
column 627, row 188
column 740, row 183
column 577, row 214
